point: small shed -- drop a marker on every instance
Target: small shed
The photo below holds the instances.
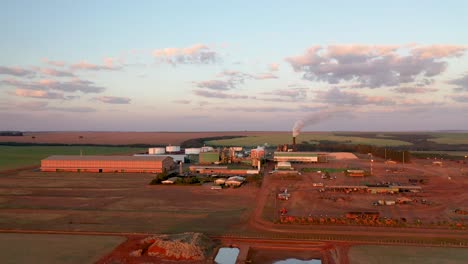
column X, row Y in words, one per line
column 284, row 165
column 234, row 181
column 220, row 181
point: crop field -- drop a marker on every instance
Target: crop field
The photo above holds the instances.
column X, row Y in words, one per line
column 406, row 254
column 12, row 157
column 66, row 249
column 449, row 153
column 450, row 138
column 118, row 138
column 311, row 138
column 118, row 203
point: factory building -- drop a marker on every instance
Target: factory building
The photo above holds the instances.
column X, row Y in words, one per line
column 140, row 164
column 280, row 156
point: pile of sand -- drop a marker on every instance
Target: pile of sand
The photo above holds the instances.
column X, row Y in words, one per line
column 185, row 246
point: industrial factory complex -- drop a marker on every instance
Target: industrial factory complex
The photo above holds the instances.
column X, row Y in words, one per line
column 204, row 160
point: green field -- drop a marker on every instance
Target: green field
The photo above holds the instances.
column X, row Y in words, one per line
column 274, row 139
column 449, row 153
column 49, row 249
column 450, row 138
column 12, row 157
column 406, row 254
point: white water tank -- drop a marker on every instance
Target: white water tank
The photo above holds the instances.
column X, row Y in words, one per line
column 192, row 151
column 154, row 151
column 172, row 148
column 206, row 149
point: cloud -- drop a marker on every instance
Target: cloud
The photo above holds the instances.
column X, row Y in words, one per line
column 293, row 93
column 54, row 72
column 265, row 76
column 16, row 71
column 217, row 85
column 273, row 67
column 44, row 106
column 46, row 84
column 414, row 90
column 38, row 94
column 182, row 101
column 439, row 51
column 108, row 66
column 113, row 99
column 195, row 54
column 461, row 83
column 222, row 95
column 460, row 98
column 373, row 66
column 258, row 109
column 337, row 97
column 240, row 77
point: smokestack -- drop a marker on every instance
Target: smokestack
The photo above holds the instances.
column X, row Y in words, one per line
column 294, row 144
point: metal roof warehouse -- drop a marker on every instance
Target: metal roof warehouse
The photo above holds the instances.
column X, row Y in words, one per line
column 149, row 164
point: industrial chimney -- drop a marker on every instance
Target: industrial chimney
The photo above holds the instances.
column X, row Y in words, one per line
column 294, row 144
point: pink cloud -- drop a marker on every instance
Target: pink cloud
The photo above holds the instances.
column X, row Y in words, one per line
column 84, row 65
column 273, row 67
column 54, row 72
column 38, row 94
column 439, row 51
column 113, row 99
column 373, row 66
column 16, row 71
column 195, row 54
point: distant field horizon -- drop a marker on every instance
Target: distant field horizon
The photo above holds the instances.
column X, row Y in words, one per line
column 228, row 131
column 247, row 138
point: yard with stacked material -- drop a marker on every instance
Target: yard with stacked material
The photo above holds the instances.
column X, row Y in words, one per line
column 13, row 157
column 32, row 200
column 443, row 191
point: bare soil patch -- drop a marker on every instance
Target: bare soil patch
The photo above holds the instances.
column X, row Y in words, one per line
column 118, row 203
column 67, row 249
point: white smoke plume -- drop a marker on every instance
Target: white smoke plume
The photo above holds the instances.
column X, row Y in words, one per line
column 314, row 118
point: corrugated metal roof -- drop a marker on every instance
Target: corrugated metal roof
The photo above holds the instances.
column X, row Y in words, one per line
column 111, row 158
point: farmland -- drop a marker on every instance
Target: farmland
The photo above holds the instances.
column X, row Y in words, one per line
column 66, row 249
column 450, row 138
column 310, row 138
column 12, row 157
column 117, row 138
column 400, row 254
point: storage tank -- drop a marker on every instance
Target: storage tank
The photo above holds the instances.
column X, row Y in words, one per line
column 192, row 151
column 158, row 151
column 206, row 149
column 172, row 148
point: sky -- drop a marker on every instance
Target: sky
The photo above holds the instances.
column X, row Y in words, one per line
column 233, row 65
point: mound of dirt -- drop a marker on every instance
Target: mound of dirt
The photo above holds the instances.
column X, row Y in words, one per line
column 185, row 246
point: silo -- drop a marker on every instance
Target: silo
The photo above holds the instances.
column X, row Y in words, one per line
column 192, row 151
column 159, row 150
column 172, row 148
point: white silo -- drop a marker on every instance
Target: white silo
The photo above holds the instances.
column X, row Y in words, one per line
column 159, row 150
column 192, row 151
column 172, row 149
